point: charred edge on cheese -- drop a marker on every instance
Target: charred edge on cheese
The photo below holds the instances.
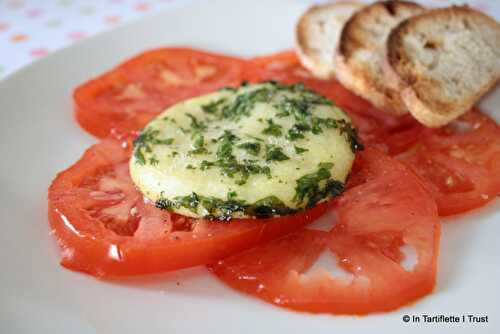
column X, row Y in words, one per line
column 313, row 187
column 224, row 210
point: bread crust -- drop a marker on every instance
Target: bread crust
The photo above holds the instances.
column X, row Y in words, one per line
column 422, row 94
column 309, row 55
column 365, row 77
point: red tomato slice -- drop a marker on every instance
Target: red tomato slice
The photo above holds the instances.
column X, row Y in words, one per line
column 460, row 162
column 106, row 228
column 385, row 131
column 385, row 208
column 130, row 95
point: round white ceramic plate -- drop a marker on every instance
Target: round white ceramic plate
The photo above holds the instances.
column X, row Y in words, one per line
column 39, row 137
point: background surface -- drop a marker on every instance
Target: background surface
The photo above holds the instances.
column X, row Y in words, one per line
column 31, row 29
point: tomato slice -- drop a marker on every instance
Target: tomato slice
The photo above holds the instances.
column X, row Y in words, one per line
column 460, row 162
column 106, row 228
column 385, row 208
column 130, row 95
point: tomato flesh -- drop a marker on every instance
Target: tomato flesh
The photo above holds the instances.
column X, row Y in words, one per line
column 106, row 228
column 385, row 208
column 460, row 162
column 129, row 96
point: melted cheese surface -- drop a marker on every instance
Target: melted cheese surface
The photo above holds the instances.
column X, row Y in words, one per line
column 265, row 144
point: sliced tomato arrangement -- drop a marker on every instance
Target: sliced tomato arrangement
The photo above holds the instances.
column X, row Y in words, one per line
column 106, row 228
column 127, row 97
column 460, row 162
column 385, row 208
column 406, row 178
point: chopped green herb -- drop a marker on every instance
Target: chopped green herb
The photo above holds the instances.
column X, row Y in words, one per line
column 232, row 167
column 299, row 150
column 196, row 125
column 168, row 119
column 352, row 135
column 275, row 153
column 198, row 144
column 268, row 207
column 250, row 148
column 199, row 141
column 309, row 186
column 297, row 131
column 213, row 107
column 167, row 141
column 139, row 156
column 190, row 202
column 272, row 129
column 244, row 103
column 229, row 165
column 200, row 150
column 224, row 210
column 143, row 144
column 317, row 122
column 255, row 138
column 225, row 149
column 282, row 112
column 153, row 161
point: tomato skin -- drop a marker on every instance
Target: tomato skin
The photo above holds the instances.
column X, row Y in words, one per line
column 88, row 245
column 115, row 257
column 126, row 98
column 386, row 207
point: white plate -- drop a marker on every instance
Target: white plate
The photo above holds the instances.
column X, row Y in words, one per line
column 39, row 138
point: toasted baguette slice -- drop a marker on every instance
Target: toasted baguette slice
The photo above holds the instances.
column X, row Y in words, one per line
column 446, row 59
column 362, row 48
column 317, row 34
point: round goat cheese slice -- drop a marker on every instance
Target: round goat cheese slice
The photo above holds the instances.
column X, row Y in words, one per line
column 255, row 151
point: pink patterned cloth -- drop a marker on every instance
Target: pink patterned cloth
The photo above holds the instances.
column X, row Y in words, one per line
column 30, row 29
